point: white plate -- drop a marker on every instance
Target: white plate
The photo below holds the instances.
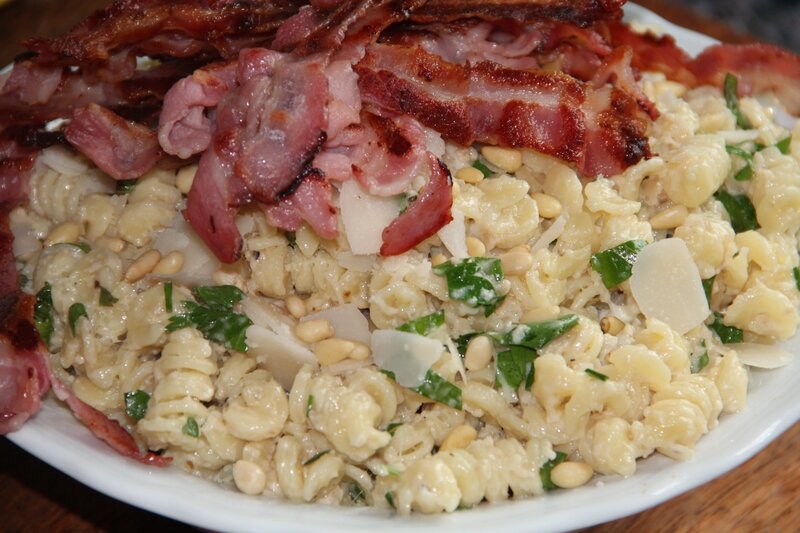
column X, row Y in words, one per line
column 55, row 437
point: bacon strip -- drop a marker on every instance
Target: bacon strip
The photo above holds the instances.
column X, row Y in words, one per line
column 312, row 202
column 579, row 12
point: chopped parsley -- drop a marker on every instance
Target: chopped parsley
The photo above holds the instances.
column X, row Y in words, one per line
column 316, row 457
column 356, row 494
column 125, row 186
column 740, row 210
column 708, row 284
column 390, row 499
column 700, row 361
column 597, row 375
column 168, row 297
column 424, row 325
column 82, row 246
column 136, row 404
column 43, row 317
column 514, row 366
column 727, row 334
column 784, row 145
column 392, row 427
column 190, row 428
column 796, row 274
column 106, row 298
column 76, row 311
column 615, row 265
column 480, row 165
column 474, row 281
column 746, row 172
column 730, row 89
column 214, row 316
column 547, row 468
column 309, row 404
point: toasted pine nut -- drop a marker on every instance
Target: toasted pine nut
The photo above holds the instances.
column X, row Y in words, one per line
column 333, row 350
column 111, row 243
column 571, row 474
column 360, row 352
column 249, row 477
column 313, row 330
column 459, row 438
column 296, row 306
column 516, row 262
column 65, row 232
column 611, row 325
column 142, row 266
column 438, row 259
column 669, row 218
column 507, row 159
column 475, row 247
column 185, row 178
column 478, row 354
column 172, row 263
column 469, row 174
column 549, row 206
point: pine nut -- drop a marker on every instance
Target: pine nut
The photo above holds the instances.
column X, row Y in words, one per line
column 111, row 243
column 549, row 206
column 611, row 325
column 296, row 306
column 313, row 330
column 475, row 247
column 185, row 179
column 142, row 266
column 172, row 263
column 249, row 477
column 478, row 353
column 333, row 350
column 507, row 159
column 65, row 232
column 516, row 262
column 459, row 438
column 360, row 352
column 438, row 259
column 469, row 174
column 669, row 218
column 571, row 474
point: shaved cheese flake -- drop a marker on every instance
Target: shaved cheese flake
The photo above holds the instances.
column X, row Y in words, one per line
column 454, row 235
column 667, row 286
column 762, row 355
column 199, row 263
column 279, row 354
column 365, row 217
column 356, row 263
column 348, row 322
column 265, row 314
column 550, row 234
column 407, row 355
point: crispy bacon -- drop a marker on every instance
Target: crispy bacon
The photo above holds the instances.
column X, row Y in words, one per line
column 123, row 149
column 579, row 12
column 310, row 201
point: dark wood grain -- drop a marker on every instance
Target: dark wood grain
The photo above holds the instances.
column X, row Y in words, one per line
column 761, row 495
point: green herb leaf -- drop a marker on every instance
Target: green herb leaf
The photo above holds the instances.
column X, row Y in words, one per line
column 727, row 334
column 514, row 366
column 106, row 298
column 708, row 284
column 76, row 311
column 190, row 428
column 82, row 246
column 392, row 427
column 740, row 210
column 136, row 404
column 730, row 88
column 597, row 375
column 463, row 341
column 43, row 313
column 436, row 388
column 544, row 471
column 390, row 499
column 796, row 274
column 316, row 457
column 784, row 145
column 309, row 404
column 215, row 319
column 356, row 494
column 700, row 361
column 424, row 325
column 745, row 173
column 474, row 280
column 615, row 264
column 480, row 165
column 739, row 152
column 125, row 186
column 168, row 297
column 537, row 334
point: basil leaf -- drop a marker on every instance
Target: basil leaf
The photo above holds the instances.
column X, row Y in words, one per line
column 463, row 341
column 597, row 375
column 136, row 404
column 390, row 499
column 436, row 388
column 424, row 325
column 106, row 298
column 740, row 210
column 216, row 320
column 223, row 295
column 535, row 335
column 745, row 173
column 168, row 297
column 544, row 471
column 474, row 281
column 43, row 313
column 76, row 311
column 784, row 145
column 796, row 273
column 708, row 284
column 316, row 457
column 392, row 427
column 82, row 246
column 486, row 171
column 739, row 151
column 514, row 366
column 615, row 264
column 730, row 88
column 727, row 334
column 125, row 186
column 700, row 361
column 190, row 428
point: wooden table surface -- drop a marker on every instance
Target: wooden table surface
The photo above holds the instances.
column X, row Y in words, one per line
column 761, row 495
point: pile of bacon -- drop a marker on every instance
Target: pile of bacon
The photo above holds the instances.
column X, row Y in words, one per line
column 278, row 101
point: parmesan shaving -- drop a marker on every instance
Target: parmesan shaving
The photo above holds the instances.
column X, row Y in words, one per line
column 348, row 322
column 550, row 234
column 365, row 217
column 406, row 355
column 454, row 235
column 762, row 355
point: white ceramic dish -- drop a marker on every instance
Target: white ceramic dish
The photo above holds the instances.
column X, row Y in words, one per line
column 55, row 437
